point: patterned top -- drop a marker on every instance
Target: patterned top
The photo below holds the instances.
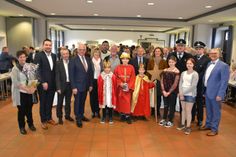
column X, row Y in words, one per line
column 169, row 81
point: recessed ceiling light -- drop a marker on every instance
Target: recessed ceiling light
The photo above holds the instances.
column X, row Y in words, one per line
column 150, row 3
column 210, row 20
column 20, row 15
column 208, row 6
column 89, row 1
column 28, row 0
column 95, row 14
column 53, row 13
column 139, row 16
column 180, row 17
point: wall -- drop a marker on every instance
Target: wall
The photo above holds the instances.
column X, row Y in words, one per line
column 3, row 40
column 19, row 33
column 233, row 57
column 126, row 38
column 203, row 32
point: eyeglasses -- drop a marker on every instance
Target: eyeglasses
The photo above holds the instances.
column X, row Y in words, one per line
column 82, row 49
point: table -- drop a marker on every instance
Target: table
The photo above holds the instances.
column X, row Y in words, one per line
column 3, row 80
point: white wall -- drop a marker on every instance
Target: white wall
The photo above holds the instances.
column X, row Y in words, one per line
column 126, row 38
column 233, row 57
column 203, row 32
column 3, row 40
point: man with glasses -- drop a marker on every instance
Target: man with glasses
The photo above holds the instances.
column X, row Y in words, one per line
column 81, row 78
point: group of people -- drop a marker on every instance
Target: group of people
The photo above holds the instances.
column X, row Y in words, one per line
column 130, row 86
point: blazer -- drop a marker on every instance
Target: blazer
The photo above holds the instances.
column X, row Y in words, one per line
column 79, row 78
column 46, row 75
column 134, row 62
column 217, row 81
column 181, row 63
column 61, row 75
column 30, row 58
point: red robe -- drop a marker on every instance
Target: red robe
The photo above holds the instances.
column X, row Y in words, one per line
column 141, row 107
column 101, row 91
column 124, row 74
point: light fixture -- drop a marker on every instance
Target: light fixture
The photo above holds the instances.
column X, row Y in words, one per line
column 28, row 0
column 95, row 14
column 208, row 6
column 180, row 17
column 89, row 1
column 210, row 20
column 20, row 15
column 53, row 13
column 150, row 3
column 139, row 16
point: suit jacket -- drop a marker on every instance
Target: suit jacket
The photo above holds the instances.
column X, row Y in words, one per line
column 61, row 75
column 30, row 58
column 6, row 61
column 46, row 75
column 200, row 67
column 134, row 62
column 217, row 81
column 181, row 63
column 79, row 78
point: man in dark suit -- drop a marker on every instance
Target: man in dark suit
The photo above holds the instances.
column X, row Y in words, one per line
column 200, row 66
column 139, row 59
column 63, row 86
column 31, row 56
column 215, row 82
column 181, row 55
column 81, row 78
column 47, row 62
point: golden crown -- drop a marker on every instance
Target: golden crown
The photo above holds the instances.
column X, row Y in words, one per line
column 106, row 64
column 125, row 55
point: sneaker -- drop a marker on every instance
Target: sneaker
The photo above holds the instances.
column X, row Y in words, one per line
column 128, row 120
column 111, row 121
column 181, row 127
column 187, row 131
column 162, row 122
column 102, row 120
column 169, row 124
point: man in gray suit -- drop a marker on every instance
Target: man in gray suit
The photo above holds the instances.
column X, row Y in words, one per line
column 63, row 86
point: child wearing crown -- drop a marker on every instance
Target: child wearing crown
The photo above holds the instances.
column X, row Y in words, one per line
column 125, row 75
column 106, row 91
column 141, row 99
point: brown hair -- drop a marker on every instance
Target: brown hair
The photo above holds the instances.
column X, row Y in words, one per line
column 161, row 49
column 192, row 60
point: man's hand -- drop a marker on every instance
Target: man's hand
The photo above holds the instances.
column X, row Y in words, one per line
column 218, row 98
column 59, row 91
column 75, row 91
column 45, row 86
column 90, row 88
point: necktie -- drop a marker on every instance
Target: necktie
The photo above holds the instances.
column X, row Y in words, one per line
column 179, row 55
column 140, row 60
column 212, row 62
column 84, row 64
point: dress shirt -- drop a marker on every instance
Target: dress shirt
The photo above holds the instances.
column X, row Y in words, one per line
column 66, row 62
column 83, row 60
column 49, row 56
column 209, row 70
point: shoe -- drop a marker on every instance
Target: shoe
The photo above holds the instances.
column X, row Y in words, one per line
column 85, row 119
column 122, row 118
column 162, row 122
column 32, row 128
column 169, row 124
column 60, row 121
column 52, row 122
column 212, row 133
column 187, row 131
column 204, row 128
column 102, row 120
column 144, row 118
column 69, row 119
column 181, row 127
column 23, row 131
column 44, row 126
column 128, row 120
column 79, row 124
column 93, row 115
column 199, row 123
column 110, row 121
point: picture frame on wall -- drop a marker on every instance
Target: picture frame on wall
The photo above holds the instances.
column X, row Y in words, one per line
column 147, row 42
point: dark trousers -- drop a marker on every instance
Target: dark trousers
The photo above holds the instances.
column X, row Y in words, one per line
column 159, row 93
column 46, row 102
column 198, row 109
column 67, row 95
column 79, row 103
column 94, row 97
column 104, row 111
column 169, row 106
column 25, row 110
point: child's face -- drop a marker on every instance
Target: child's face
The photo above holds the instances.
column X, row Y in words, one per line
column 171, row 63
column 189, row 64
column 125, row 61
column 107, row 70
column 141, row 71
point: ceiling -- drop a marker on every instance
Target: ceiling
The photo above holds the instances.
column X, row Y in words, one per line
column 121, row 15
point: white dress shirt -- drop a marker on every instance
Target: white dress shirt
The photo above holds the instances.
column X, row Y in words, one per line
column 209, row 70
column 49, row 56
column 66, row 69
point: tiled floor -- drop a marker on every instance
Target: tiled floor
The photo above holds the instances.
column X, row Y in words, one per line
column 140, row 139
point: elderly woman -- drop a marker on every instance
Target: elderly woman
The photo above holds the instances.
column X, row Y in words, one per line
column 97, row 69
column 22, row 94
